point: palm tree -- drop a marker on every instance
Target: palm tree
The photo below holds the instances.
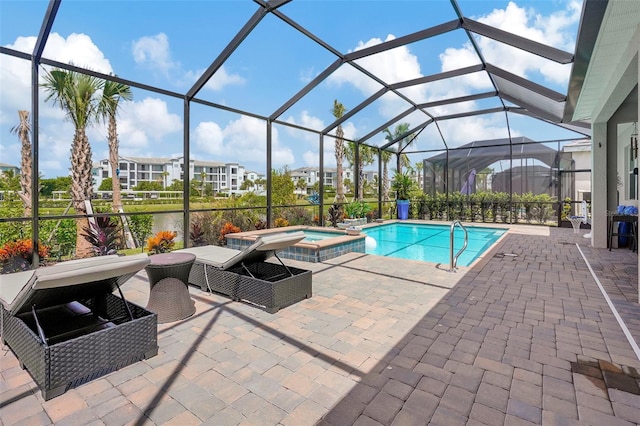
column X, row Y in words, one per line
column 400, row 130
column 76, row 93
column 366, row 157
column 23, row 130
column 301, row 186
column 403, row 159
column 385, row 157
column 203, row 182
column 164, row 175
column 338, row 111
column 419, row 166
column 112, row 94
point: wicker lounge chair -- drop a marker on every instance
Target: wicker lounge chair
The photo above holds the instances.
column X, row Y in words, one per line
column 66, row 327
column 245, row 274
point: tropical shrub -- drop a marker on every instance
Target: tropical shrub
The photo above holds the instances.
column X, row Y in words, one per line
column 227, row 228
column 141, row 227
column 335, row 214
column 103, row 234
column 162, row 242
column 297, row 216
column 281, row 222
column 13, row 230
column 17, row 255
column 196, row 235
column 403, row 185
column 260, row 224
column 357, row 209
column 60, row 235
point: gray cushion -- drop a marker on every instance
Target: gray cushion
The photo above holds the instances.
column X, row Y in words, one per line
column 263, row 248
column 17, row 288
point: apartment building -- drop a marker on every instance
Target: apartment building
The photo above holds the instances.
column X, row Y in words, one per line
column 312, row 175
column 220, row 177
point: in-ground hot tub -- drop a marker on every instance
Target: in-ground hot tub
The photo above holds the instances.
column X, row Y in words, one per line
column 319, row 244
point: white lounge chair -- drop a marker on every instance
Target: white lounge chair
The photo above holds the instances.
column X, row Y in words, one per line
column 244, row 274
column 65, row 325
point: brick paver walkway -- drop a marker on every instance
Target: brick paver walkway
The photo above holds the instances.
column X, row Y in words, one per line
column 525, row 339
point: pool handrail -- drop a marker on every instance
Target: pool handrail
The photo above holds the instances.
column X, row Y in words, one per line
column 453, row 260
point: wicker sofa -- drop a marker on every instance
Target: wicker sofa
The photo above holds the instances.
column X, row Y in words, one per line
column 65, row 325
column 246, row 275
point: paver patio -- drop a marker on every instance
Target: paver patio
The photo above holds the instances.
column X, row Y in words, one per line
column 525, row 339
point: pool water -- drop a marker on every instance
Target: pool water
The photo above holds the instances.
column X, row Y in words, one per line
column 429, row 243
column 312, row 236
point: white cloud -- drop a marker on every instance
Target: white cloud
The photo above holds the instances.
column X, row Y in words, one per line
column 148, row 119
column 56, row 132
column 222, row 78
column 242, row 140
column 391, row 66
column 144, row 128
column 401, row 64
column 77, row 49
column 208, row 137
column 305, row 120
column 350, row 131
column 15, row 74
column 464, row 130
column 153, row 52
column 55, row 140
column 308, row 74
column 311, row 159
column 550, row 30
column 219, row 81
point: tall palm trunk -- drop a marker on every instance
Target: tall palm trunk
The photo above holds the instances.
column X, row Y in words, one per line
column 112, row 137
column 81, row 188
column 26, row 162
column 338, row 111
column 340, row 198
column 385, row 180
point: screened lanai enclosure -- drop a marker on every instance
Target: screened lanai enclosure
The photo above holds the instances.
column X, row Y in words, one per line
column 214, row 117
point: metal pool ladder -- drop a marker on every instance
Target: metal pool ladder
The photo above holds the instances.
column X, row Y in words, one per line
column 453, row 260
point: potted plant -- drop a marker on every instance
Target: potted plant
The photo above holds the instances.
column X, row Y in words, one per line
column 356, row 213
column 402, row 184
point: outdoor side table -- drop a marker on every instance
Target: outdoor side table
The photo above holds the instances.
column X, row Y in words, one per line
column 168, row 281
column 632, row 234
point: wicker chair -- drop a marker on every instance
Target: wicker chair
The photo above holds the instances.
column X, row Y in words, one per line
column 66, row 326
column 245, row 274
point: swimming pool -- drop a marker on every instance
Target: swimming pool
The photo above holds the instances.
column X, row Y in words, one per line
column 428, row 243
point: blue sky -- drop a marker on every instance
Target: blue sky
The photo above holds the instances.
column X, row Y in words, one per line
column 168, row 44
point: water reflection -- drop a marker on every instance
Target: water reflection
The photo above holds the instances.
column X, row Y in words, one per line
column 168, row 222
